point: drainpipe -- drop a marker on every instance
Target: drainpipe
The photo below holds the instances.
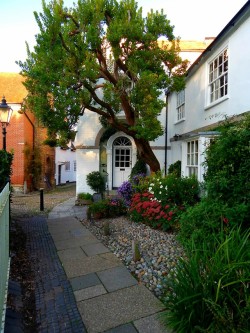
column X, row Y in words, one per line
column 166, row 133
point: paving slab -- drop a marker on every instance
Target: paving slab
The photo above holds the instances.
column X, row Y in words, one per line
column 75, row 242
column 84, row 281
column 117, row 308
column 93, row 249
column 151, row 324
column 116, row 278
column 68, row 254
column 90, row 292
column 76, row 267
column 127, row 328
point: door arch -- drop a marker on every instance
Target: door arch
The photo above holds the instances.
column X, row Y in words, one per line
column 122, row 160
column 121, row 157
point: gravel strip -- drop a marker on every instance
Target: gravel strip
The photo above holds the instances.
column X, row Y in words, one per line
column 159, row 250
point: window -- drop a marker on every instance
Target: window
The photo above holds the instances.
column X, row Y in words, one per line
column 192, row 157
column 67, row 166
column 180, row 105
column 218, row 76
column 74, row 165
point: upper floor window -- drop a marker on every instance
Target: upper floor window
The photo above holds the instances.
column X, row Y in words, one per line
column 180, row 105
column 218, row 76
column 74, row 165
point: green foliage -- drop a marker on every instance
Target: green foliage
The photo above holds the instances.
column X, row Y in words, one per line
column 175, row 168
column 159, row 201
column 104, row 45
column 6, row 159
column 171, row 188
column 209, row 290
column 96, row 181
column 140, row 167
column 228, row 164
column 85, row 196
column 111, row 207
column 206, row 219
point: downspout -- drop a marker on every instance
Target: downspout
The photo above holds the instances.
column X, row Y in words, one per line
column 166, row 133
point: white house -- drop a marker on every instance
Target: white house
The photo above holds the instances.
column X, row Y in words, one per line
column 65, row 165
column 217, row 85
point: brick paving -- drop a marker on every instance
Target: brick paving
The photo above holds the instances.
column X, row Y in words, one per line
column 55, row 302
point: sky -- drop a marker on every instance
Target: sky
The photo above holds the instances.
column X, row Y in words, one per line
column 193, row 20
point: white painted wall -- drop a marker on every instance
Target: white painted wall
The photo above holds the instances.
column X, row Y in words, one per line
column 62, row 156
column 198, row 112
column 87, row 161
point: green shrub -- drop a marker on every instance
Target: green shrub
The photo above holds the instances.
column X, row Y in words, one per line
column 206, row 219
column 6, row 159
column 175, row 168
column 96, row 181
column 111, row 207
column 85, row 196
column 178, row 190
column 209, row 291
column 140, row 167
column 228, row 164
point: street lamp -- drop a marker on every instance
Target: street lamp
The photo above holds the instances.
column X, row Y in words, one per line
column 5, row 115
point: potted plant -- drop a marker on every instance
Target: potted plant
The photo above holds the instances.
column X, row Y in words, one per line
column 84, row 199
column 96, row 182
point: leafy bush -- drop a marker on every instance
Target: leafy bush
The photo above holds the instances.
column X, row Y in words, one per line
column 110, row 207
column 96, row 181
column 175, row 168
column 228, row 164
column 128, row 188
column 145, row 208
column 161, row 200
column 140, row 167
column 206, row 219
column 85, row 196
column 179, row 190
column 209, row 291
column 6, row 159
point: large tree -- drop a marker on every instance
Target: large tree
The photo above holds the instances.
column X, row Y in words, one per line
column 102, row 55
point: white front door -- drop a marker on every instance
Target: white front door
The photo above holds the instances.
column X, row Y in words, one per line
column 122, row 160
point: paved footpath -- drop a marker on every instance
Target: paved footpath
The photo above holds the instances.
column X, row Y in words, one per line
column 108, row 297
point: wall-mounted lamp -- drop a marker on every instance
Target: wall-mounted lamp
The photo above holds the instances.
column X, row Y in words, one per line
column 5, row 115
column 177, row 137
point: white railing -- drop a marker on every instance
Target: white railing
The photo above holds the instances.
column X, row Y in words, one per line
column 4, row 251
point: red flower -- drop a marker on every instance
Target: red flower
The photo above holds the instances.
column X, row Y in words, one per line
column 225, row 220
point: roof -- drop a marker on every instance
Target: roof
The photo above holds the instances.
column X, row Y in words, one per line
column 12, row 88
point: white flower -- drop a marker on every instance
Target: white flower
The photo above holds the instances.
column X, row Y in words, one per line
column 161, row 186
column 166, row 187
column 160, row 192
column 150, row 188
column 152, row 184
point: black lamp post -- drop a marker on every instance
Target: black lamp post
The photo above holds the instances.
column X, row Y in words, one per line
column 5, row 115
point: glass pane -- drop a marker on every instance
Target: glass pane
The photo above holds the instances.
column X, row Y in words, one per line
column 127, row 164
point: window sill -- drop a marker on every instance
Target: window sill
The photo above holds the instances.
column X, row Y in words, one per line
column 179, row 121
column 218, row 101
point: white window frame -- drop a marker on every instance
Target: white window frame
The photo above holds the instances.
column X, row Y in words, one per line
column 218, row 77
column 180, row 106
column 192, row 157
